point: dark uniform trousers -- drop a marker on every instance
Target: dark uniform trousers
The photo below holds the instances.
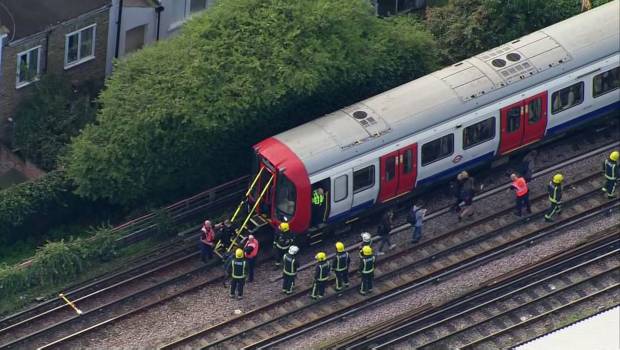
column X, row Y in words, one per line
column 320, row 279
column 342, row 279
column 366, row 282
column 289, row 272
column 288, row 282
column 611, row 177
column 238, row 274
column 236, row 285
column 524, row 201
column 367, row 268
column 341, row 269
column 555, row 197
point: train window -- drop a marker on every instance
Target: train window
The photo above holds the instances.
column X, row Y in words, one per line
column 286, row 196
column 341, row 188
column 513, row 119
column 363, row 179
column 566, row 98
column 535, row 111
column 606, row 82
column 478, row 133
column 437, row 149
column 408, row 161
column 390, row 168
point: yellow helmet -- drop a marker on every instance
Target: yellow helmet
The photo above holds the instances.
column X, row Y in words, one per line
column 239, row 253
column 339, row 247
column 558, row 178
column 284, row 226
column 366, row 250
column 614, row 156
column 320, row 256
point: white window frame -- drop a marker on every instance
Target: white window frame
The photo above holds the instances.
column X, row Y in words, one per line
column 19, row 84
column 81, row 59
column 187, row 13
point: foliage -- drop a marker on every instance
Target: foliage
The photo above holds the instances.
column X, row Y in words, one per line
column 48, row 118
column 182, row 114
column 57, row 262
column 464, row 28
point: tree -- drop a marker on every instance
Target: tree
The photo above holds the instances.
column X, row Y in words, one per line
column 182, row 114
column 464, row 28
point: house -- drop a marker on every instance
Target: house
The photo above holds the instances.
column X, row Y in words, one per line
column 68, row 37
column 145, row 21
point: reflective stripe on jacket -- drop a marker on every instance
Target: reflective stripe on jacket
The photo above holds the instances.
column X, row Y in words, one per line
column 289, row 265
column 341, row 261
column 555, row 192
column 322, row 271
column 367, row 264
column 520, row 186
column 254, row 245
column 238, row 268
column 611, row 170
column 317, row 198
column 282, row 241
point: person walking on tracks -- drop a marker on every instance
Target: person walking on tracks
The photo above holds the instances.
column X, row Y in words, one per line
column 468, row 191
column 610, row 167
column 341, row 267
column 555, row 196
column 321, row 275
column 281, row 242
column 519, row 185
column 238, row 272
column 207, row 241
column 415, row 217
column 384, row 231
column 367, row 269
column 250, row 249
column 289, row 269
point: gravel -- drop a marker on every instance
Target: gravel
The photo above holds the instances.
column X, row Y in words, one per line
column 211, row 305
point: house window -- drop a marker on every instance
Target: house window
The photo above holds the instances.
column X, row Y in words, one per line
column 567, row 98
column 197, row 5
column 437, row 149
column 341, row 188
column 363, row 179
column 606, row 82
column 478, row 133
column 80, row 46
column 134, row 39
column 28, row 66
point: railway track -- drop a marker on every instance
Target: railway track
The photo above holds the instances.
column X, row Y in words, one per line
column 101, row 314
column 271, row 324
column 501, row 307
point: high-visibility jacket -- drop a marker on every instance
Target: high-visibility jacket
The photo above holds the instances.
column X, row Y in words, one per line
column 341, row 261
column 207, row 236
column 317, row 198
column 238, row 268
column 322, row 271
column 367, row 264
column 282, row 240
column 611, row 169
column 520, row 186
column 555, row 192
column 253, row 243
column 289, row 265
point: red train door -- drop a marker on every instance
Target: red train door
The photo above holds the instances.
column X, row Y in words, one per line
column 523, row 123
column 398, row 172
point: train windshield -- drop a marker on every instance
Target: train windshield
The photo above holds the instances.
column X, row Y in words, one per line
column 286, row 196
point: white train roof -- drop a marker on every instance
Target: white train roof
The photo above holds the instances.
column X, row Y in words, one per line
column 462, row 87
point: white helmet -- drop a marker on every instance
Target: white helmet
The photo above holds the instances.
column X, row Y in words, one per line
column 293, row 250
column 366, row 236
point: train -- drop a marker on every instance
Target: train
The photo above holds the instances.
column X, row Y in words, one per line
column 474, row 112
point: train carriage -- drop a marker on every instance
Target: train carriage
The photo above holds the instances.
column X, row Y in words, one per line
column 477, row 110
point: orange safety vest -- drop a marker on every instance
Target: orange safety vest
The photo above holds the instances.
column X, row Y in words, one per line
column 208, row 236
column 521, row 186
column 254, row 244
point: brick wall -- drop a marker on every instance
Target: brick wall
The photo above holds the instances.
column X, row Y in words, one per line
column 52, row 61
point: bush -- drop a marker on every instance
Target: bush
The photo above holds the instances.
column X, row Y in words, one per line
column 182, row 115
column 46, row 120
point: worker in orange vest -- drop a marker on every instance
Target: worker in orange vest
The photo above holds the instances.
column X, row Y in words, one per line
column 207, row 241
column 519, row 185
column 250, row 250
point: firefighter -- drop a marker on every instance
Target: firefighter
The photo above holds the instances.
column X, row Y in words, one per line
column 341, row 267
column 610, row 167
column 207, row 241
column 238, row 272
column 366, row 241
column 321, row 275
column 281, row 242
column 555, row 196
column 367, row 268
column 519, row 185
column 318, row 206
column 250, row 250
column 289, row 269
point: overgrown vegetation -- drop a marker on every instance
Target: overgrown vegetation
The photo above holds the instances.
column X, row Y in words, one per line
column 50, row 116
column 182, row 115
